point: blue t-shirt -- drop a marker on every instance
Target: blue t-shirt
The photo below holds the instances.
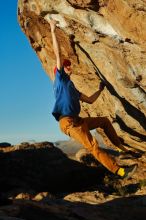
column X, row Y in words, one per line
column 67, row 96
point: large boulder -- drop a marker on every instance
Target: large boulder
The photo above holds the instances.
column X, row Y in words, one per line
column 106, row 41
column 5, row 144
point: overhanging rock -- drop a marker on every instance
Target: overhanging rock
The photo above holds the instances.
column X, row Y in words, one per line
column 105, row 41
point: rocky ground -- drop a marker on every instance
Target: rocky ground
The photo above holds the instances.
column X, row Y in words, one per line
column 39, row 181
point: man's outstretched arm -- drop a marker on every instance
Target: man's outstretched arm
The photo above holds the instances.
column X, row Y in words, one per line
column 55, row 44
column 94, row 97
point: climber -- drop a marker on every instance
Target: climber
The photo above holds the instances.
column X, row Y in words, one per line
column 67, row 109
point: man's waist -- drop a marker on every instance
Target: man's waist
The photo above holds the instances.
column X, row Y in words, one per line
column 75, row 117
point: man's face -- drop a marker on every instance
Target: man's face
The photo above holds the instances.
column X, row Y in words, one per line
column 68, row 70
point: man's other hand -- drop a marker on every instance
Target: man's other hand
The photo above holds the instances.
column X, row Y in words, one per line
column 101, row 86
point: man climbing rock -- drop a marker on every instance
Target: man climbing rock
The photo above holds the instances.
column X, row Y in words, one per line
column 67, row 109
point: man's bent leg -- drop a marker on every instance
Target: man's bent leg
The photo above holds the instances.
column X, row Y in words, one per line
column 106, row 125
column 80, row 132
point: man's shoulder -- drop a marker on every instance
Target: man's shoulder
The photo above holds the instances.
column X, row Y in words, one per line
column 60, row 71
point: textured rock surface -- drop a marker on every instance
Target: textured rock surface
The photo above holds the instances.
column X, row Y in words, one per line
column 106, row 41
column 117, row 208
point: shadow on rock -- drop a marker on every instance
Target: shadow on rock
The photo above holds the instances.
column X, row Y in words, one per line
column 45, row 169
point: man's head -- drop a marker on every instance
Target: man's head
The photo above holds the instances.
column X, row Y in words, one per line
column 67, row 66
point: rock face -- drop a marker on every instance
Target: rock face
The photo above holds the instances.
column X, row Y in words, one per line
column 106, row 41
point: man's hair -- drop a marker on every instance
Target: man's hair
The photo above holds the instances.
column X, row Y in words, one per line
column 66, row 62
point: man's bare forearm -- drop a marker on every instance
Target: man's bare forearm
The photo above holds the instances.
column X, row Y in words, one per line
column 56, row 47
column 55, row 44
column 95, row 96
column 92, row 98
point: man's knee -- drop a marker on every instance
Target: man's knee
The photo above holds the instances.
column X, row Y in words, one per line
column 108, row 121
column 105, row 122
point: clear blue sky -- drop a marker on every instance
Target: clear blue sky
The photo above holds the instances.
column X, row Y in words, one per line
column 26, row 94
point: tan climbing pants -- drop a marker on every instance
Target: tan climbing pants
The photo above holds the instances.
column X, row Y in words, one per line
column 78, row 128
